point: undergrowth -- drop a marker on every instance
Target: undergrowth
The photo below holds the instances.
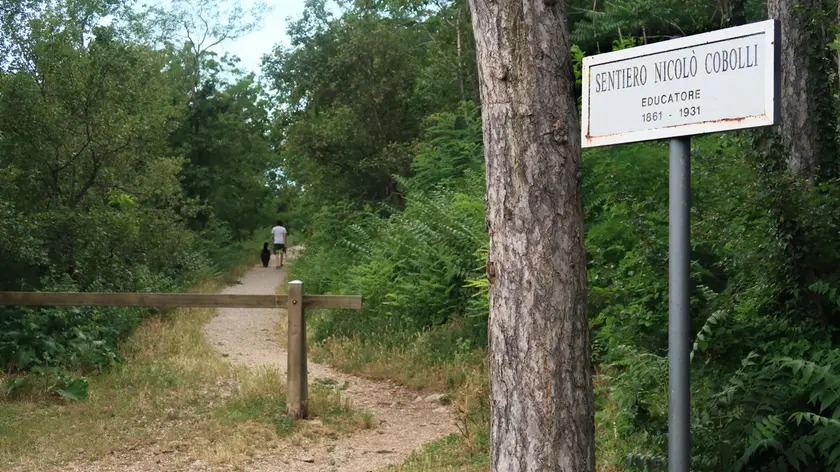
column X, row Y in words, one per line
column 54, row 348
column 410, row 362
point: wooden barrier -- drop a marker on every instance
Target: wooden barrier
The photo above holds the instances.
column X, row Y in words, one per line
column 295, row 302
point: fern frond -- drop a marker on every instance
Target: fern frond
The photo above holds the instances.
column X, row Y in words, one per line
column 645, row 463
column 705, row 333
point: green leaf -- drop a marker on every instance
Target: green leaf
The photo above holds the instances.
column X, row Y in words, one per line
column 807, row 372
column 835, row 45
column 15, row 384
column 835, row 454
column 25, row 357
column 74, row 389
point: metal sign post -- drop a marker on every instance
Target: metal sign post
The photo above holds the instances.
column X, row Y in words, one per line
column 712, row 82
column 679, row 318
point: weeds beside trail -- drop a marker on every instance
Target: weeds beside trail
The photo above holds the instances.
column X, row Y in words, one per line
column 467, row 384
column 464, row 381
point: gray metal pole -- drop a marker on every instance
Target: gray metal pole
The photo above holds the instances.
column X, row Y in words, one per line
column 679, row 319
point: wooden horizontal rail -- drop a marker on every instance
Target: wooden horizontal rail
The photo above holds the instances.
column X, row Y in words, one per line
column 174, row 300
column 347, row 302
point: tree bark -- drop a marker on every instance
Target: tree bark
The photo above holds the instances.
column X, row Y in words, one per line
column 541, row 387
column 732, row 12
column 807, row 116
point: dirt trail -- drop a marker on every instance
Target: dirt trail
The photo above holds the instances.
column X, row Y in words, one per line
column 402, row 424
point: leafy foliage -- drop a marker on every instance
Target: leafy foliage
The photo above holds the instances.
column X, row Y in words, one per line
column 598, row 24
column 357, row 88
column 414, row 265
column 103, row 171
column 782, row 412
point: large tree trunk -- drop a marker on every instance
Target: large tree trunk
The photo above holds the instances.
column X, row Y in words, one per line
column 807, row 117
column 541, row 387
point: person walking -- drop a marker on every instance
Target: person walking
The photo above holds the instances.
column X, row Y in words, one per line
column 279, row 235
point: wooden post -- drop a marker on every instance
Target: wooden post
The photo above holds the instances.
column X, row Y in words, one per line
column 297, row 395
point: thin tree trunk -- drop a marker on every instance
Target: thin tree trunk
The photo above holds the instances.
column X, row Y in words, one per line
column 460, row 61
column 733, row 12
column 807, row 116
column 541, row 386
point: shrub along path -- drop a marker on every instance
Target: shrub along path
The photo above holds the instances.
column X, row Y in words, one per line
column 400, row 422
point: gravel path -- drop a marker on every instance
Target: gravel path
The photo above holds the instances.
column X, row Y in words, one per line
column 247, row 335
column 404, row 424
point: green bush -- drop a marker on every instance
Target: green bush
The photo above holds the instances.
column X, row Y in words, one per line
column 117, row 176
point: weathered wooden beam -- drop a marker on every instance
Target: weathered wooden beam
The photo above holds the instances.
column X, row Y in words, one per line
column 347, row 302
column 174, row 300
column 297, row 389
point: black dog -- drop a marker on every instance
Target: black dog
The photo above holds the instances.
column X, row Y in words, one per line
column 265, row 255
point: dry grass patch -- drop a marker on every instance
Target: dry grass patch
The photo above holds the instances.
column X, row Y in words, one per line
column 335, row 411
column 169, row 375
column 406, row 364
column 169, row 380
column 463, row 379
column 447, row 454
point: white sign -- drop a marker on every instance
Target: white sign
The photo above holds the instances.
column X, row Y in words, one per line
column 718, row 81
